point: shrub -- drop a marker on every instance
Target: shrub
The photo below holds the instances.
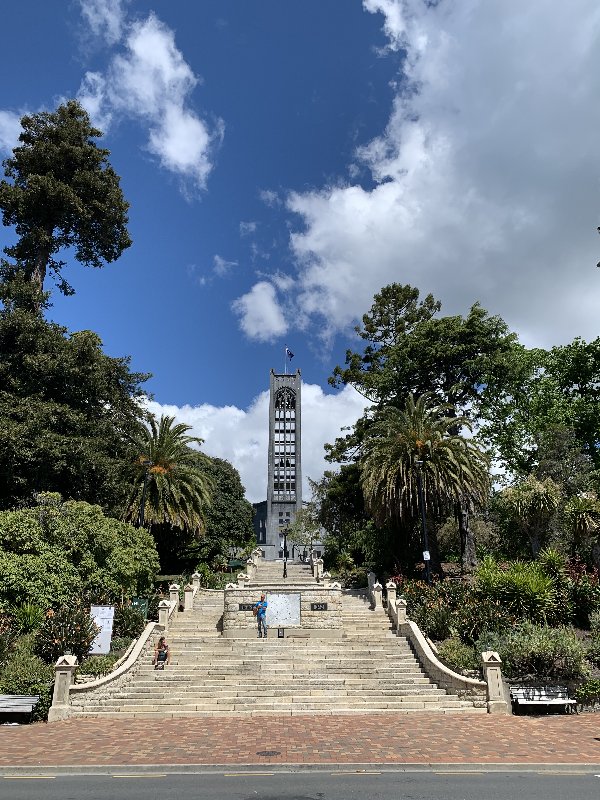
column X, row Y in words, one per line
column 26, row 673
column 120, row 643
column 458, row 656
column 595, row 622
column 529, row 649
column 28, row 617
column 585, row 593
column 480, row 614
column 97, row 665
column 210, row 579
column 523, row 588
column 588, row 694
column 593, row 651
column 129, row 622
column 70, row 629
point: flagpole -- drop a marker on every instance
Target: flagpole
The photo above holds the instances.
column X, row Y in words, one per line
column 285, row 360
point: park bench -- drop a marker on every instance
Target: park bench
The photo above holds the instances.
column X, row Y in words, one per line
column 541, row 696
column 18, row 705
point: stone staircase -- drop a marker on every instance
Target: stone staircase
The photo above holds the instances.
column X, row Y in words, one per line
column 368, row 670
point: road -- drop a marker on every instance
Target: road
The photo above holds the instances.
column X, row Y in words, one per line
column 580, row 783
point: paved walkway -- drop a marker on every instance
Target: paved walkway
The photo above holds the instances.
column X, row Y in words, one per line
column 389, row 739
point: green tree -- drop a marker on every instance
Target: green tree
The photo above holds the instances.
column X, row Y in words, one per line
column 53, row 551
column 305, row 529
column 399, row 444
column 178, row 490
column 67, row 412
column 61, row 193
column 532, row 504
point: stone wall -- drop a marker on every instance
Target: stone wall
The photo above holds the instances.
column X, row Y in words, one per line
column 328, row 623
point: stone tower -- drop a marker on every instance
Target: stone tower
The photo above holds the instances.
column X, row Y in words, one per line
column 284, row 487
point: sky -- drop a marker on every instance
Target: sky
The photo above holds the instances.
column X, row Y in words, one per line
column 285, row 160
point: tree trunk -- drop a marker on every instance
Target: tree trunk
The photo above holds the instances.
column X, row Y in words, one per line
column 468, row 556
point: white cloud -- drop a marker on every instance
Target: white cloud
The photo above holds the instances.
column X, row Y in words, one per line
column 105, row 18
column 270, row 198
column 487, row 174
column 241, row 436
column 152, row 82
column 261, row 316
column 222, row 267
column 247, row 228
column 10, row 128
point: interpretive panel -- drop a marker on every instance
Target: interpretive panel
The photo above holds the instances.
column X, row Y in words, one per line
column 283, row 610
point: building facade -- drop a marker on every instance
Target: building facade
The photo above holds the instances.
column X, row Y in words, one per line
column 284, row 486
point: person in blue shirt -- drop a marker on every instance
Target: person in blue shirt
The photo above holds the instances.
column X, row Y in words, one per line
column 261, row 617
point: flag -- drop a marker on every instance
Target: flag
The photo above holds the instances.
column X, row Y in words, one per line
column 288, row 352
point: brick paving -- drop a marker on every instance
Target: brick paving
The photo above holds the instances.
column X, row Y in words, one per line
column 385, row 739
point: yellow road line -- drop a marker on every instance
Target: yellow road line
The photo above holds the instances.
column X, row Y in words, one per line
column 29, row 777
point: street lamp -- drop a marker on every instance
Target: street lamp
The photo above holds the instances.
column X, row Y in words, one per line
column 285, row 533
column 426, row 555
column 145, row 463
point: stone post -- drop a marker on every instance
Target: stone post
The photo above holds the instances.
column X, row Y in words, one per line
column 391, row 593
column 401, row 609
column 377, row 592
column 163, row 614
column 188, row 595
column 327, row 579
column 174, row 594
column 243, row 579
column 256, row 556
column 196, row 580
column 63, row 678
column 492, row 674
column 251, row 568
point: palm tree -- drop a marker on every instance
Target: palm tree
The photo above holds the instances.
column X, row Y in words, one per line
column 178, row 490
column 399, row 442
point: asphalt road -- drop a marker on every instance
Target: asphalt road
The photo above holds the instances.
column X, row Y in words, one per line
column 416, row 785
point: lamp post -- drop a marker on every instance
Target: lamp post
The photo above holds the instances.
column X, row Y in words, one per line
column 146, row 463
column 285, row 533
column 426, row 556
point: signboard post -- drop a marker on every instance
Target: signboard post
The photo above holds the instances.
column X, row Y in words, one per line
column 103, row 616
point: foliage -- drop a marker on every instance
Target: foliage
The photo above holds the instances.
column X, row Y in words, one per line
column 404, row 446
column 545, row 391
column 177, row 490
column 61, row 193
column 458, row 655
column 67, row 410
column 523, row 588
column 593, row 651
column 228, row 524
column 531, row 504
column 128, row 622
column 355, row 578
column 409, row 348
column 584, row 588
column 305, row 529
column 595, row 622
column 28, row 617
column 119, row 644
column 588, row 693
column 70, row 629
column 210, row 579
column 25, row 673
column 56, row 550
column 8, row 637
column 529, row 649
column 97, row 665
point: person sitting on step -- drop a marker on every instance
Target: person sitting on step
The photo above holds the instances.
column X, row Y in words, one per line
column 162, row 654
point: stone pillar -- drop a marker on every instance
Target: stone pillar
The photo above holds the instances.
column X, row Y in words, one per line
column 492, row 674
column 63, row 678
column 391, row 593
column 188, row 595
column 243, row 579
column 251, row 569
column 401, row 610
column 327, row 579
column 163, row 614
column 377, row 592
column 256, row 556
column 196, row 580
column 174, row 594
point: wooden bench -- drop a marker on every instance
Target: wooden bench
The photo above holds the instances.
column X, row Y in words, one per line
column 18, row 705
column 541, row 696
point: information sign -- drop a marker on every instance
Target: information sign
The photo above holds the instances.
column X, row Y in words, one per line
column 103, row 616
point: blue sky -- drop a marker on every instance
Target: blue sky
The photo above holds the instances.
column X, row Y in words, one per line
column 285, row 160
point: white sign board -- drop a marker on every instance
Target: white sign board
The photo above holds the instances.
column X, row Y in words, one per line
column 103, row 617
column 283, row 610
